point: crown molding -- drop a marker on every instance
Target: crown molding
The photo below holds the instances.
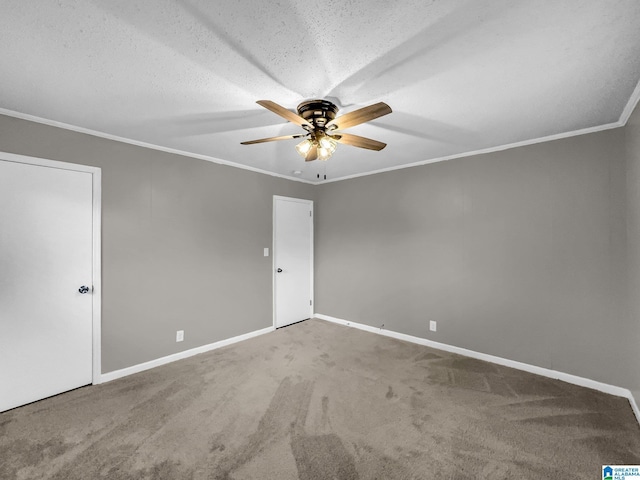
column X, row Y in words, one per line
column 108, row 136
column 499, row 148
column 620, row 123
column 630, row 106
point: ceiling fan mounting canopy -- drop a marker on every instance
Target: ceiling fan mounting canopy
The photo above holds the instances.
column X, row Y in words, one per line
column 318, row 118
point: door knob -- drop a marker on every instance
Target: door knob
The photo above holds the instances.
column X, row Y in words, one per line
column 83, row 289
column 279, row 270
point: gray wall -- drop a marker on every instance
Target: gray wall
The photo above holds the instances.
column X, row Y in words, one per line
column 518, row 254
column 182, row 242
column 632, row 131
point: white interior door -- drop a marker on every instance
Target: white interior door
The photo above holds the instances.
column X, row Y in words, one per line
column 46, row 255
column 293, row 260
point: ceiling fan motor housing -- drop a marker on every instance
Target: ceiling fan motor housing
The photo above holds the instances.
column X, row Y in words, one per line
column 318, row 112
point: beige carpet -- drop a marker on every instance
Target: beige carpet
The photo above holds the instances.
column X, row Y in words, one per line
column 321, row 401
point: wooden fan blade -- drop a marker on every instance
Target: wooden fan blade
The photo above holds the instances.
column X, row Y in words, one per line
column 361, row 115
column 273, row 139
column 284, row 113
column 358, row 141
column 312, row 154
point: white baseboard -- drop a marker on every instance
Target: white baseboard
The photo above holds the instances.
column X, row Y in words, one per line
column 634, row 406
column 545, row 372
column 107, row 377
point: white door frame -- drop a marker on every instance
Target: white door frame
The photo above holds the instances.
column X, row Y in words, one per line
column 309, row 203
column 96, row 175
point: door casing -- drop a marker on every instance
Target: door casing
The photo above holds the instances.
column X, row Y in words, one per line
column 96, row 307
column 308, row 203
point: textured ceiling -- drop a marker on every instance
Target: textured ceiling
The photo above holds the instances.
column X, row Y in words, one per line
column 460, row 76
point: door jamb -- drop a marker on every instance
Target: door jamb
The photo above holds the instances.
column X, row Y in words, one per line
column 96, row 313
column 273, row 253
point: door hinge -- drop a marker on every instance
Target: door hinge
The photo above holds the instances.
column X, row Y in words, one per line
column 310, row 302
column 309, row 212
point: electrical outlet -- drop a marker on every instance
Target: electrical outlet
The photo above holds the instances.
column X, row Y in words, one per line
column 433, row 325
column 179, row 335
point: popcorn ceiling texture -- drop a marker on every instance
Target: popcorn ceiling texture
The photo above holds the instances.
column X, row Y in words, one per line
column 461, row 76
column 321, row 401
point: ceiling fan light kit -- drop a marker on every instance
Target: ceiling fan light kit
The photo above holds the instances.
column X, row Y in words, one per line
column 318, row 118
column 304, row 146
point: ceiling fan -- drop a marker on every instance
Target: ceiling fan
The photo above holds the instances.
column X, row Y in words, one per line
column 318, row 118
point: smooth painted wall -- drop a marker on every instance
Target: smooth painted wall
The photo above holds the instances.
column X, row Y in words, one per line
column 632, row 131
column 518, row 254
column 182, row 242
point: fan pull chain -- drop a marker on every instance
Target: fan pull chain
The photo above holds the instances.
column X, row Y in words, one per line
column 324, row 174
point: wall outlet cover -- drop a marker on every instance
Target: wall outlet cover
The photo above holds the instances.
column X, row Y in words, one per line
column 179, row 335
column 433, row 325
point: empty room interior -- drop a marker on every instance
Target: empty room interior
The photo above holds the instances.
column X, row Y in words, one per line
column 202, row 276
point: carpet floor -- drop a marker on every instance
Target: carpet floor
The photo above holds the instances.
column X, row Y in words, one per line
column 321, row 401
